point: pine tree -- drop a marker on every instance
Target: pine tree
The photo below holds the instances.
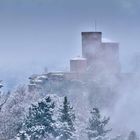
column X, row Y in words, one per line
column 96, row 126
column 66, row 119
column 132, row 136
column 39, row 123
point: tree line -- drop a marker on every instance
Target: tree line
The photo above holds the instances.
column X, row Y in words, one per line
column 43, row 123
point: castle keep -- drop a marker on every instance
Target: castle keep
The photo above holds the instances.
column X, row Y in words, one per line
column 96, row 55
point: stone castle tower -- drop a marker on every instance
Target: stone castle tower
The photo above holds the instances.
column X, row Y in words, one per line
column 96, row 55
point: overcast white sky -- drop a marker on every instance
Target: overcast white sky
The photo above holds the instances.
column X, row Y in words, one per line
column 46, row 33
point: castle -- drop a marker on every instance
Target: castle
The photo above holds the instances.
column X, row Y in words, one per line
column 97, row 57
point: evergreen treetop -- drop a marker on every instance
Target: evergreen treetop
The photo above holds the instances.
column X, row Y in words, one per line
column 66, row 119
column 97, row 126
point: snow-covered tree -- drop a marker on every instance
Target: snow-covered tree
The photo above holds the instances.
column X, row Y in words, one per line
column 66, row 121
column 96, row 129
column 132, row 136
column 12, row 113
column 39, row 123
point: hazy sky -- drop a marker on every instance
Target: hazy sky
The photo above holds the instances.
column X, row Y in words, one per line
column 46, row 33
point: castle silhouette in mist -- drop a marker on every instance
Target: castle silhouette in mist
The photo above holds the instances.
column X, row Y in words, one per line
column 98, row 58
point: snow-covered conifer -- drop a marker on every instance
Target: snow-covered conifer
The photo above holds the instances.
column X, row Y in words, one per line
column 96, row 129
column 132, row 136
column 67, row 120
column 39, row 123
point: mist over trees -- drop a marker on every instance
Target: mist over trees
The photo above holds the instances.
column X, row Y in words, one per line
column 36, row 115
